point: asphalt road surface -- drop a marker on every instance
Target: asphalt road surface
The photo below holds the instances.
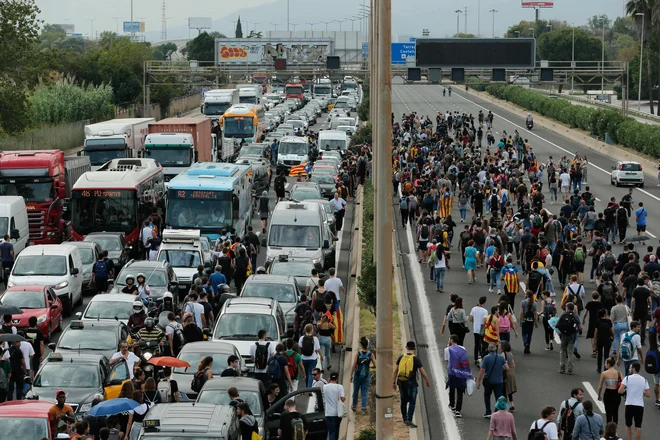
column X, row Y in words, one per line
column 538, row 381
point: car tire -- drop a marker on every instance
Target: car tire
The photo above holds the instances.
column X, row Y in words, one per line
column 617, row 184
column 641, row 185
column 611, row 181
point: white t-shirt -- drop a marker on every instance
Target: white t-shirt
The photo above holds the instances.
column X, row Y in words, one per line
column 635, row 387
column 334, row 284
column 636, row 343
column 171, row 326
column 28, row 351
column 311, row 283
column 550, row 429
column 317, row 346
column 332, row 392
column 565, row 179
column 479, row 314
column 197, row 310
column 146, row 234
column 271, row 352
column 131, row 360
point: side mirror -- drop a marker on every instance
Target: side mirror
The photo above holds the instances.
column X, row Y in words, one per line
column 79, row 315
column 75, row 271
column 15, row 235
column 326, row 244
column 53, row 306
column 51, row 345
column 334, row 239
column 613, row 168
column 115, row 382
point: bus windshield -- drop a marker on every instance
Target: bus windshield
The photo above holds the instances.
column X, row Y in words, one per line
column 171, row 157
column 185, row 209
column 104, row 210
column 238, row 126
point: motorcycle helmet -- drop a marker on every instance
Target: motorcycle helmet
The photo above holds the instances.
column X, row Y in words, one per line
column 149, row 323
column 223, row 288
column 261, row 270
column 138, row 306
column 130, row 277
column 168, row 300
column 141, row 275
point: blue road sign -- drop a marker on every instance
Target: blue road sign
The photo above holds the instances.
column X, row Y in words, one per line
column 412, row 39
column 401, row 52
column 365, row 51
column 136, row 26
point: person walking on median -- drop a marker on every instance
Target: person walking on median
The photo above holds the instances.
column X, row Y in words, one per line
column 588, row 426
column 405, row 376
column 361, row 374
column 636, row 388
column 458, row 371
column 502, row 424
column 491, row 375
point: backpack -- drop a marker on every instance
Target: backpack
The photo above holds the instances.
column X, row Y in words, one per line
column 165, row 390
column 549, row 310
column 579, row 255
column 608, row 293
column 535, row 281
column 627, row 351
column 566, row 324
column 529, row 314
column 505, row 324
column 609, row 262
column 307, row 348
column 261, row 356
column 274, row 370
column 494, row 203
column 428, row 199
column 199, row 379
column 320, row 300
column 621, row 214
column 567, row 418
column 655, row 292
column 364, row 357
column 538, row 221
column 404, row 203
column 652, row 361
column 101, row 269
column 424, row 233
column 3, row 377
column 178, row 339
column 466, row 236
column 291, row 364
column 536, row 429
column 479, row 237
column 298, row 428
column 406, row 366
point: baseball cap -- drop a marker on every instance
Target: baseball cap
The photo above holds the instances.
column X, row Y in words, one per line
column 58, row 393
column 410, row 345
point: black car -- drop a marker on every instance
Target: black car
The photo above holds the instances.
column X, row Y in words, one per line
column 159, row 275
column 115, row 244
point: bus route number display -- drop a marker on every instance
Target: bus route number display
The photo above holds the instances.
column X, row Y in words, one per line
column 100, row 193
column 197, row 195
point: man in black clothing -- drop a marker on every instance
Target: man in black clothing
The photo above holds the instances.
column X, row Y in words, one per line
column 191, row 332
column 641, row 305
column 280, row 182
column 301, row 309
column 232, row 367
column 247, row 424
column 36, row 338
column 286, row 429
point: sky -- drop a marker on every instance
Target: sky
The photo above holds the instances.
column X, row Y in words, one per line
column 409, row 17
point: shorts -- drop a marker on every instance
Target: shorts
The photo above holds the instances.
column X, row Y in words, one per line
column 656, row 379
column 479, row 248
column 641, row 228
column 634, row 413
column 564, row 189
column 423, row 245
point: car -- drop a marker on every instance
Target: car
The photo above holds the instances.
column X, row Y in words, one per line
column 81, row 376
column 182, row 248
column 190, row 421
column 194, row 352
column 115, row 244
column 301, row 191
column 299, row 268
column 328, row 161
column 326, row 181
column 627, row 173
column 261, row 150
column 96, row 337
column 332, row 154
column 282, row 288
column 159, row 275
column 89, row 252
column 330, row 170
column 309, row 401
column 108, row 307
column 26, row 419
column 348, row 129
column 38, row 301
column 329, row 214
column 241, row 319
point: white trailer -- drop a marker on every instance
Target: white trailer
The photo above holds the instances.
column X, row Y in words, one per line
column 115, row 139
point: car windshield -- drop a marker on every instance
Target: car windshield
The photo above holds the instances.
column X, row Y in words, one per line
column 155, row 278
column 333, row 144
column 323, row 178
column 109, row 309
column 178, row 437
column 220, row 397
column 106, row 243
column 305, row 194
column 292, row 268
column 87, row 255
column 24, row 299
column 296, row 148
column 40, row 265
column 245, row 326
column 284, row 293
column 67, row 375
column 86, row 339
column 195, row 357
column 295, row 236
column 15, row 427
column 254, row 150
column 180, row 258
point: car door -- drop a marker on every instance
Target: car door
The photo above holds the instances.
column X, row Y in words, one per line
column 75, row 262
column 56, row 312
column 311, row 407
column 118, row 375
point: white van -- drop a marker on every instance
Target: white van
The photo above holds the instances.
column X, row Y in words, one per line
column 298, row 229
column 14, row 221
column 56, row 265
column 333, row 140
column 292, row 151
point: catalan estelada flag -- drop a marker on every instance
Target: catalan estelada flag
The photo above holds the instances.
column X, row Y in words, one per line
column 446, row 201
column 299, row 170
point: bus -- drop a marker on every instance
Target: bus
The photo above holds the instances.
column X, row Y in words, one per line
column 117, row 197
column 294, row 91
column 211, row 197
column 243, row 123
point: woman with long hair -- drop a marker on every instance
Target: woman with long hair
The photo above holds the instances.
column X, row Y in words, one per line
column 610, row 380
column 470, row 265
column 492, row 327
column 457, row 319
column 136, row 416
column 528, row 320
column 151, row 394
column 126, row 392
column 506, row 321
column 326, row 330
column 610, row 432
column 548, row 310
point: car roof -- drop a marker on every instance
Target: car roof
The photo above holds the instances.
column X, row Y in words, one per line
column 114, row 297
column 26, row 288
column 151, row 265
column 189, row 418
column 24, row 408
column 255, row 305
column 270, row 279
column 91, row 235
column 208, row 347
column 82, row 244
column 242, row 383
column 91, row 323
column 82, row 358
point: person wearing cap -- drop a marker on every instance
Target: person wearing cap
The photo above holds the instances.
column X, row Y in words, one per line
column 332, row 394
column 124, row 355
column 60, row 414
column 407, row 382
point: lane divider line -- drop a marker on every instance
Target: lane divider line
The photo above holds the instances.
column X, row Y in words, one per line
column 594, row 396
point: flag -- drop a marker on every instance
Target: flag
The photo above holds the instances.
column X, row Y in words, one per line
column 298, row 170
column 446, row 202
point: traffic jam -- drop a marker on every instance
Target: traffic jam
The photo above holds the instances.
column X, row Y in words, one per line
column 176, row 279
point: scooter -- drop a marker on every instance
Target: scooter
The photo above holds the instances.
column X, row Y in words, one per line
column 530, row 125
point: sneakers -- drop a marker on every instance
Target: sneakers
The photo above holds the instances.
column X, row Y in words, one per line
column 458, row 414
column 490, row 290
column 499, row 291
column 486, row 416
column 552, row 347
column 547, row 348
column 576, row 354
column 562, row 371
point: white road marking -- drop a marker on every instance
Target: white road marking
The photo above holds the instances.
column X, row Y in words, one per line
column 338, row 247
column 594, row 396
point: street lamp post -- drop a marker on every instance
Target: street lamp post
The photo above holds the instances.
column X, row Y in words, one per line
column 294, row 26
column 132, row 29
column 458, row 17
column 533, row 31
column 602, row 62
column 311, row 25
column 340, row 22
column 117, row 23
column 326, row 24
column 493, row 11
column 573, row 63
column 274, row 24
column 641, row 54
column 287, row 15
column 91, row 35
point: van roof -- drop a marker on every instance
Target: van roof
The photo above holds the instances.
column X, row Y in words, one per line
column 296, row 213
column 189, row 418
column 11, row 200
column 332, row 134
column 49, row 249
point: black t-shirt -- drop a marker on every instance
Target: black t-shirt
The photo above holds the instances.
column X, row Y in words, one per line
column 593, row 307
column 630, row 283
column 35, row 337
column 285, row 423
column 641, row 296
column 478, row 199
column 417, row 364
column 604, row 326
column 133, row 290
column 229, row 372
column 192, row 333
column 15, row 358
column 301, row 309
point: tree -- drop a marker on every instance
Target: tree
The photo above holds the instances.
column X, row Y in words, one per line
column 620, row 44
column 462, row 35
column 625, row 26
column 239, row 28
column 648, row 10
column 74, row 44
column 202, row 47
column 595, row 23
column 161, row 51
column 51, row 35
column 558, row 46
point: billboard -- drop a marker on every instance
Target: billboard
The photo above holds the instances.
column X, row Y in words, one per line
column 526, row 4
column 476, row 52
column 265, row 51
column 68, row 28
column 138, row 26
column 199, row 22
column 402, row 51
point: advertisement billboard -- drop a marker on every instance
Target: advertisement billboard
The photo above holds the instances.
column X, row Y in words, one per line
column 476, row 52
column 265, row 51
column 526, row 4
column 199, row 22
column 138, row 26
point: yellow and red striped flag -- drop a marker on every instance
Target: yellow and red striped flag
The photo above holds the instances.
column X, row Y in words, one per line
column 298, row 170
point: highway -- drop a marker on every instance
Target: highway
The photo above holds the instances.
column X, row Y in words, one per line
column 538, row 381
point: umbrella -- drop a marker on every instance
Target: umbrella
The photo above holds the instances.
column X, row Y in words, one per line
column 113, row 406
column 636, row 239
column 168, row 361
column 10, row 337
column 10, row 310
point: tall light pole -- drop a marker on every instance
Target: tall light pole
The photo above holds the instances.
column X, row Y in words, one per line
column 311, row 25
column 91, row 21
column 132, row 29
column 353, row 20
column 493, row 11
column 255, row 23
column 458, row 17
column 326, row 24
column 294, row 26
column 340, row 22
column 602, row 62
column 641, row 54
column 117, row 23
column 533, row 31
column 478, row 18
column 287, row 15
column 573, row 63
column 274, row 24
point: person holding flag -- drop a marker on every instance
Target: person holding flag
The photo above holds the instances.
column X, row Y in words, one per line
column 509, row 275
column 446, row 202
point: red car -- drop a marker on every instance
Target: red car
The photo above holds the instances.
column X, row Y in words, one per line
column 25, row 419
column 39, row 301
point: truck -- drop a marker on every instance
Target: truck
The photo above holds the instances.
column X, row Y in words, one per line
column 44, row 178
column 217, row 101
column 114, row 139
column 250, row 93
column 261, row 78
column 177, row 143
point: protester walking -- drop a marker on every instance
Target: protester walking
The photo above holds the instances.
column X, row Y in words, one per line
column 333, row 393
column 610, row 380
column 502, row 423
column 405, row 376
column 588, row 426
column 361, row 374
column 491, row 375
column 547, row 424
column 458, row 372
column 636, row 388
column 528, row 320
column 510, row 386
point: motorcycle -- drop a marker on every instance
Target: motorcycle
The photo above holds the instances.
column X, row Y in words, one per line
column 530, row 124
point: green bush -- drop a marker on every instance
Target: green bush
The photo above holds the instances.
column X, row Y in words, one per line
column 366, row 282
column 367, row 434
column 362, row 136
column 625, row 131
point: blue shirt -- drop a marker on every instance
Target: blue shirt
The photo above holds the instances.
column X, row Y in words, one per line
column 5, row 250
column 588, row 431
column 493, row 364
column 216, row 279
column 641, row 214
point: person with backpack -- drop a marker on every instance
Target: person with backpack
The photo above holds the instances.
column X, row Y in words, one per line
column 278, row 370
column 636, row 388
column 588, row 426
column 100, row 274
column 424, row 236
column 5, row 377
column 293, row 425
column 622, row 222
column 300, row 312
column 294, row 364
column 569, row 410
column 204, row 372
column 546, row 425
column 311, row 352
column 168, row 387
column 641, row 304
column 619, row 315
column 495, row 265
column 260, row 353
column 548, row 311
column 491, row 374
column 248, row 426
column 471, row 255
column 528, row 320
column 568, row 326
column 630, row 347
column 361, row 375
column 608, row 291
column 405, row 377
column 579, row 259
column 404, row 206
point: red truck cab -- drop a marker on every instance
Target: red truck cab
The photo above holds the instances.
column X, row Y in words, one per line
column 295, row 90
column 261, row 79
column 26, row 419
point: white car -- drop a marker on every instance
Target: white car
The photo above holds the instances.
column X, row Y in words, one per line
column 627, row 173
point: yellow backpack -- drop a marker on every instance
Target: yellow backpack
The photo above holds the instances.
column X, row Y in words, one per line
column 406, row 366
